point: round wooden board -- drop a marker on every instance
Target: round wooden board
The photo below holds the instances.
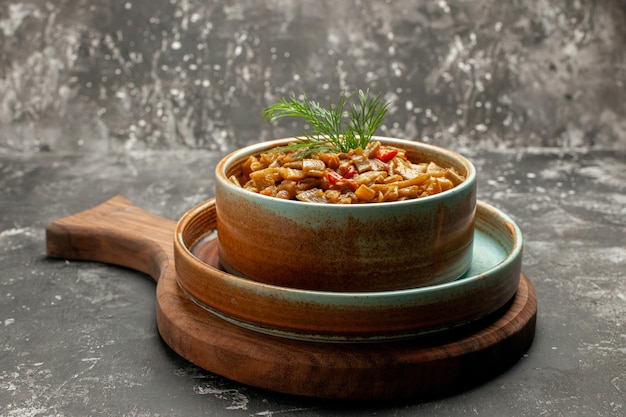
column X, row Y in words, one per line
column 410, row 369
column 120, row 233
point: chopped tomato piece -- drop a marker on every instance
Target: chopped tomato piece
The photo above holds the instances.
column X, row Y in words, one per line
column 351, row 183
column 339, row 180
column 350, row 172
column 334, row 177
column 385, row 154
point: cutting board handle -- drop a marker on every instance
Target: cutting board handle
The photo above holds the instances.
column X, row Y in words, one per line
column 115, row 232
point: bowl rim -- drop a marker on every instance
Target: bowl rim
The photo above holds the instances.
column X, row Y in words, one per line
column 228, row 160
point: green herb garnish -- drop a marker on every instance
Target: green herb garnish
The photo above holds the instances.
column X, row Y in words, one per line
column 338, row 128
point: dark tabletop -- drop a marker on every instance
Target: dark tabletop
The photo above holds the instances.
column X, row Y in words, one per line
column 122, row 98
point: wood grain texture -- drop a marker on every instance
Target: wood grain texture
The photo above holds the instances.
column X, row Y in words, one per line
column 119, row 233
column 115, row 232
column 412, row 369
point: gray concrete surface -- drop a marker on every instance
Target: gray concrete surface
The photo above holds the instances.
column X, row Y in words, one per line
column 142, row 98
column 80, row 338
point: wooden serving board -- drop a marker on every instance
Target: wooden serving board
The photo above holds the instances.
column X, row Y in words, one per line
column 119, row 233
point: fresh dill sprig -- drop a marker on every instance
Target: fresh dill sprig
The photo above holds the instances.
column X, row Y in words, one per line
column 334, row 129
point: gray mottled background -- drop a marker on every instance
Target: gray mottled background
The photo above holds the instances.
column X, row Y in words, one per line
column 142, row 98
column 114, row 75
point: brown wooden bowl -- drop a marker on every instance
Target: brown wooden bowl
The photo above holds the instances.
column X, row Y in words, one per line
column 354, row 247
column 489, row 284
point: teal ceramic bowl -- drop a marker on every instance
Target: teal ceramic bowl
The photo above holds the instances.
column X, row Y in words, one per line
column 331, row 247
